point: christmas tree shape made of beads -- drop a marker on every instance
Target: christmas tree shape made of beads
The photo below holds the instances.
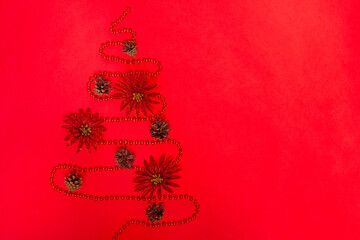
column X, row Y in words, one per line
column 135, row 90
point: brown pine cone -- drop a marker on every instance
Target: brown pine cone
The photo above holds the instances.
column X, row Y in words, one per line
column 102, row 86
column 160, row 129
column 73, row 182
column 155, row 212
column 130, row 48
column 124, row 158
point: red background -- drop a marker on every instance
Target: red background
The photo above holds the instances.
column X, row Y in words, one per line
column 263, row 95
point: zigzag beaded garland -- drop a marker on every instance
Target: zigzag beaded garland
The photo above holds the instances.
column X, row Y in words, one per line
column 136, row 92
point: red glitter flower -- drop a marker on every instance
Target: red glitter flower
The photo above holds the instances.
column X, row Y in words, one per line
column 85, row 128
column 136, row 94
column 157, row 175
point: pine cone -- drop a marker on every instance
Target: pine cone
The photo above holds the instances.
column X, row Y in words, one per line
column 124, row 158
column 160, row 129
column 73, row 182
column 155, row 212
column 130, row 48
column 102, row 86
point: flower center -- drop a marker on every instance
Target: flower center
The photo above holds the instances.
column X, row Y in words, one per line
column 85, row 130
column 156, row 179
column 138, row 96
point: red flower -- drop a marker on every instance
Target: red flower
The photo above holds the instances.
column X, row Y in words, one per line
column 84, row 127
column 157, row 175
column 136, row 94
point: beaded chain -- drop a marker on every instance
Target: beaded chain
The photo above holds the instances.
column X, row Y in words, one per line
column 145, row 142
column 127, row 61
column 126, row 142
column 124, row 197
column 114, row 43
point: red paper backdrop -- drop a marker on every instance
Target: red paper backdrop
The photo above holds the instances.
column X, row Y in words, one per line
column 263, row 95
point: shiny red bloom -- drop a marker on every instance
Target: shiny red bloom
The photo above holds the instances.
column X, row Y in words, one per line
column 85, row 128
column 156, row 176
column 136, row 94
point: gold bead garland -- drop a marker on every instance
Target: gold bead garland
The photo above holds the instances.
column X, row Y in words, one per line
column 87, row 129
